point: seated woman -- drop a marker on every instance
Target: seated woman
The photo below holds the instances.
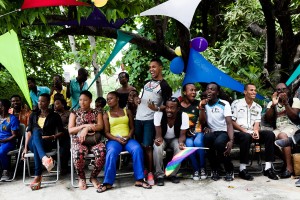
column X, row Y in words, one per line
column 9, row 125
column 194, row 138
column 43, row 129
column 60, row 106
column 118, row 124
column 81, row 122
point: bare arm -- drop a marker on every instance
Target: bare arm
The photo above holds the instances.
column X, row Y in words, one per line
column 131, row 123
column 238, row 127
column 27, row 138
column 72, row 128
column 230, row 135
column 13, row 136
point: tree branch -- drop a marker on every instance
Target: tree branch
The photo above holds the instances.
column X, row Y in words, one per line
column 142, row 42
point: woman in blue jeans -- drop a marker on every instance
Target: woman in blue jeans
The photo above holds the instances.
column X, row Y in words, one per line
column 194, row 137
column 44, row 127
column 119, row 128
column 9, row 125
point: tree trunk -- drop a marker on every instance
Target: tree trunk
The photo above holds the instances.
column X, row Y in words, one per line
column 96, row 67
column 73, row 48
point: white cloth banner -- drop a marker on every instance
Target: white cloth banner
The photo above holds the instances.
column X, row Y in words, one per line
column 181, row 10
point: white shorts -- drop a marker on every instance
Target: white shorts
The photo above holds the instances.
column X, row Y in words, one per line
column 288, row 129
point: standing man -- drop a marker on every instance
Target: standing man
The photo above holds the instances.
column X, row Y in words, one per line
column 216, row 114
column 21, row 112
column 36, row 91
column 155, row 94
column 57, row 87
column 76, row 86
column 170, row 126
column 124, row 90
column 246, row 118
column 284, row 111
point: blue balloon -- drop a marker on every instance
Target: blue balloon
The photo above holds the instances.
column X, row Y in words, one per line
column 199, row 44
column 177, row 65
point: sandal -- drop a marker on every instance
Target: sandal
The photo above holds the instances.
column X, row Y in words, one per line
column 95, row 183
column 82, row 184
column 35, row 185
column 48, row 163
column 143, row 184
column 104, row 187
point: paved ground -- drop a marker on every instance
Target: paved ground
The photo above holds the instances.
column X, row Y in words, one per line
column 260, row 188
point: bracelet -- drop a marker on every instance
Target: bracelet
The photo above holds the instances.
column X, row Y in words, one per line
column 158, row 108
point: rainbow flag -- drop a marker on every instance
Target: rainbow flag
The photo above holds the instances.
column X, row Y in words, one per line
column 179, row 157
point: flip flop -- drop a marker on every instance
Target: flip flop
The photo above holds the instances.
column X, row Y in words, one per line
column 104, row 188
column 143, row 184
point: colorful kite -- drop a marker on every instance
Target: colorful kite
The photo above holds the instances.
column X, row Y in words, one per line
column 11, row 59
column 179, row 157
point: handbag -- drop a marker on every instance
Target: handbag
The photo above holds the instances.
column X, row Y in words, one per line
column 92, row 138
column 296, row 162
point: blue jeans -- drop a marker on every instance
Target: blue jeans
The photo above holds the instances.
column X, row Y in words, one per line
column 37, row 146
column 144, row 131
column 196, row 141
column 113, row 149
column 4, row 149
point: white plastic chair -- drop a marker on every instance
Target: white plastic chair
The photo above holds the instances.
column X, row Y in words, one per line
column 18, row 151
column 51, row 153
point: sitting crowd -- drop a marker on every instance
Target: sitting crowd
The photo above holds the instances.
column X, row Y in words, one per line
column 146, row 126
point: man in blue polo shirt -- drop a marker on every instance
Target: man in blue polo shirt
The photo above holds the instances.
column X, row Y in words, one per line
column 76, row 86
column 36, row 91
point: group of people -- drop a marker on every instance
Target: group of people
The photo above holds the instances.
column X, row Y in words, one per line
column 146, row 126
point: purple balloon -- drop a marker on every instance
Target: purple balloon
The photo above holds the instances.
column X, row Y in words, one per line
column 177, row 65
column 199, row 44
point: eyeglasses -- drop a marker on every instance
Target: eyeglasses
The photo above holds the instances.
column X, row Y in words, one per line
column 281, row 89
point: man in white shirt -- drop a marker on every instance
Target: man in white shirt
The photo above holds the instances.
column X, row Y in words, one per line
column 171, row 126
column 246, row 118
column 216, row 115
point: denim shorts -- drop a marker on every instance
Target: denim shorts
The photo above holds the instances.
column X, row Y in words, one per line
column 144, row 132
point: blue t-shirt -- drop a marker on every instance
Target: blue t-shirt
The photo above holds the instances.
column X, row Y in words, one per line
column 75, row 92
column 8, row 125
column 35, row 97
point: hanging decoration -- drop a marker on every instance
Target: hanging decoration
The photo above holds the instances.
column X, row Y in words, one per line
column 200, row 44
column 99, row 3
column 11, row 59
column 201, row 70
column 293, row 76
column 182, row 11
column 177, row 65
column 122, row 40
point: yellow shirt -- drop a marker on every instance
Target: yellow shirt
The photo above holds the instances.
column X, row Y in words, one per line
column 63, row 92
column 119, row 126
column 41, row 121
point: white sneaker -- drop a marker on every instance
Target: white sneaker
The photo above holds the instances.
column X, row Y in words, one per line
column 5, row 175
column 203, row 174
column 196, row 176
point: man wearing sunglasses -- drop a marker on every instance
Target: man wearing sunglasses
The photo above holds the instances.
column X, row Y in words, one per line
column 170, row 126
column 284, row 111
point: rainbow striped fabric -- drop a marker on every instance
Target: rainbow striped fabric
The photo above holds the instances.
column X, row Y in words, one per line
column 178, row 158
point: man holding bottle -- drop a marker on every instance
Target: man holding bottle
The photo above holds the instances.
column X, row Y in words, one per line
column 246, row 118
